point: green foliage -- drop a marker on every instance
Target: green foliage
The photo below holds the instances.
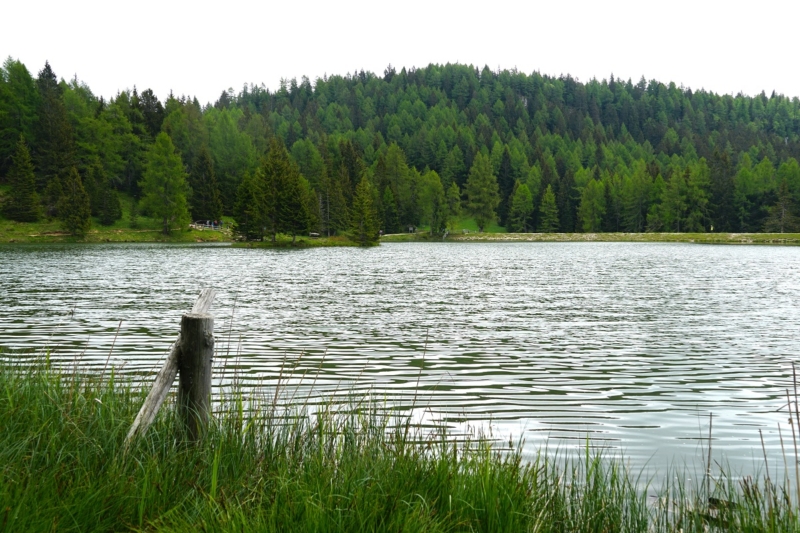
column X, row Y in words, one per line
column 164, row 184
column 521, row 214
column 22, row 203
column 206, row 203
column 482, row 191
column 593, row 206
column 74, row 210
column 364, row 221
column 782, row 216
column 548, row 212
column 391, row 222
column 721, row 158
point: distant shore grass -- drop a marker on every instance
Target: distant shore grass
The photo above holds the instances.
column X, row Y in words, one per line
column 700, row 238
column 348, row 467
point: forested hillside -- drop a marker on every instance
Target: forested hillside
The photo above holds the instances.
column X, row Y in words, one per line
column 418, row 147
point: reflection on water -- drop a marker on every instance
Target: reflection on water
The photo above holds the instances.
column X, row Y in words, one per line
column 630, row 344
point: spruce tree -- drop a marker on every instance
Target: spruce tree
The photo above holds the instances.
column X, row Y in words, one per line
column 206, row 200
column 548, row 212
column 73, row 207
column 22, row 203
column 364, row 228
column 55, row 146
column 292, row 209
column 482, row 191
column 781, row 217
column 245, row 211
column 110, row 207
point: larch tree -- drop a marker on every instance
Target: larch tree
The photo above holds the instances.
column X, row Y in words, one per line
column 164, row 186
column 482, row 191
column 593, row 206
column 521, row 212
column 22, row 203
column 548, row 212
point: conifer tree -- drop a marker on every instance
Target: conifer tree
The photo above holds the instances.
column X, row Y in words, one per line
column 55, row 146
column 453, row 205
column 482, row 191
column 292, row 207
column 781, row 217
column 206, row 201
column 22, row 203
column 364, row 228
column 245, row 211
column 110, row 207
column 73, row 207
column 391, row 222
column 548, row 212
column 521, row 208
column 593, row 206
column 164, row 184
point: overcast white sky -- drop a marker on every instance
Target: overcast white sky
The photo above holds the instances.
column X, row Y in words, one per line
column 201, row 48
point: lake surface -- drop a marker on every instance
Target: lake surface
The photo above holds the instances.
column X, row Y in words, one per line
column 630, row 344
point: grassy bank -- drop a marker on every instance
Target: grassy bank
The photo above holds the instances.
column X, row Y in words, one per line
column 138, row 229
column 348, row 468
column 701, row 238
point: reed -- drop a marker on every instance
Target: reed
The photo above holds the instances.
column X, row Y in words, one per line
column 347, row 466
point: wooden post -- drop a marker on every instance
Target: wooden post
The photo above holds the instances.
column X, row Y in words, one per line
column 194, row 369
column 166, row 375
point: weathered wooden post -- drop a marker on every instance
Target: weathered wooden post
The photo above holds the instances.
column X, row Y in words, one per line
column 169, row 371
column 194, row 371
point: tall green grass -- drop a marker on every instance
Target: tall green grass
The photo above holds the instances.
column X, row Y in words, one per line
column 345, row 467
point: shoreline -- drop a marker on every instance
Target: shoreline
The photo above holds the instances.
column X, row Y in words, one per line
column 791, row 239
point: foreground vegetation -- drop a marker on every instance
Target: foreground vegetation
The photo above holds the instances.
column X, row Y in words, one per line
column 64, row 467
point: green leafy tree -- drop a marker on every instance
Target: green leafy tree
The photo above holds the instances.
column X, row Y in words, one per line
column 482, row 191
column 364, row 222
column 206, row 202
column 73, row 207
column 22, row 203
column 522, row 208
column 548, row 212
column 164, row 186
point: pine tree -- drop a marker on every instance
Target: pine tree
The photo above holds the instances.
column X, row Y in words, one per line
column 206, row 201
column 164, row 184
column 548, row 212
column 22, row 203
column 364, row 225
column 245, row 211
column 73, row 207
column 292, row 209
column 482, row 191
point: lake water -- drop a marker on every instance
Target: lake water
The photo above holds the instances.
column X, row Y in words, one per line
column 630, row 344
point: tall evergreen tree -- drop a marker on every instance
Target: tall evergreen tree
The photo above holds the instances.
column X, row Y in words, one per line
column 364, row 224
column 54, row 152
column 391, row 223
column 593, row 206
column 206, row 203
column 548, row 212
column 73, row 207
column 22, row 203
column 521, row 213
column 164, row 186
column 482, row 192
column 782, row 217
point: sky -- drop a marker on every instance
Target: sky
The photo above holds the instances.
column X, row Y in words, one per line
column 201, row 48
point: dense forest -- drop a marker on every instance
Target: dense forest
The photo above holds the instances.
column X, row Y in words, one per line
column 364, row 153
